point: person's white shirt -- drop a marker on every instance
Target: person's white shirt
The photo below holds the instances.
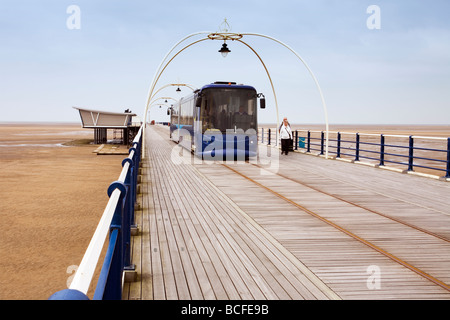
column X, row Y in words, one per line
column 285, row 132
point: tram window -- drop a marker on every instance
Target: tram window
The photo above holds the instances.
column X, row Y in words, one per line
column 186, row 112
column 182, row 111
column 224, row 109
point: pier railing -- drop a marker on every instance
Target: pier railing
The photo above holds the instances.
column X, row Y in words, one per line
column 117, row 221
column 407, row 153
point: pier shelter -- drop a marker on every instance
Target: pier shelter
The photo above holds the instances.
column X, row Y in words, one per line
column 127, row 123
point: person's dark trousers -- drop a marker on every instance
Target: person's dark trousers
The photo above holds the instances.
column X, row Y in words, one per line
column 285, row 146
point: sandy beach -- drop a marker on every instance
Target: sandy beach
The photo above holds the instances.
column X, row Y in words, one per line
column 53, row 193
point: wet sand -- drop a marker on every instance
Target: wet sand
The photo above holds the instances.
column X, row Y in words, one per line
column 52, row 198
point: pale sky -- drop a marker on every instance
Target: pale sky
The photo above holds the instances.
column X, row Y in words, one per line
column 397, row 74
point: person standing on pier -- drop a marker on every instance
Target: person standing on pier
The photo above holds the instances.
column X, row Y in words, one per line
column 285, row 135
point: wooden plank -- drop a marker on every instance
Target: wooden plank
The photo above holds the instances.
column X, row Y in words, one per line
column 214, row 235
column 271, row 248
column 197, row 249
column 159, row 281
column 326, row 206
column 136, row 259
column 180, row 246
column 201, row 224
column 233, row 250
column 147, row 210
column 214, row 223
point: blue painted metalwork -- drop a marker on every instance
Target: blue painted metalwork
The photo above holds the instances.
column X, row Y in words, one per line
column 382, row 142
column 411, row 154
column 356, row 149
column 448, row 159
column 69, row 294
column 309, row 142
column 322, row 142
column 108, row 286
column 338, row 155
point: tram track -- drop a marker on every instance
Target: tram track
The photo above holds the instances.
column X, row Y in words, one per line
column 364, row 208
column 383, row 194
column 348, row 232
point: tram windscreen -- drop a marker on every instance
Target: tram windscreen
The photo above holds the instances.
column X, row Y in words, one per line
column 232, row 109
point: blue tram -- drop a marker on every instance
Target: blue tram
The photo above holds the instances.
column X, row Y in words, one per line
column 218, row 121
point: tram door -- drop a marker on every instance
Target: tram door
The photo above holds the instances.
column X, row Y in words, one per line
column 197, row 129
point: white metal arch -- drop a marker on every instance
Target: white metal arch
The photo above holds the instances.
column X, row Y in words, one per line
column 237, row 37
column 312, row 75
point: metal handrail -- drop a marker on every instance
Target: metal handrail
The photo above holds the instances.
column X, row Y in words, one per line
column 375, row 150
column 116, row 221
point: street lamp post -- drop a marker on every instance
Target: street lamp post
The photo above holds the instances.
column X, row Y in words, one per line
column 153, row 102
column 324, row 105
column 162, row 98
column 157, row 104
column 151, row 99
column 178, row 85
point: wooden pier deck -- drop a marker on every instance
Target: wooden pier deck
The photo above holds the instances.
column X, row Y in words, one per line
column 307, row 228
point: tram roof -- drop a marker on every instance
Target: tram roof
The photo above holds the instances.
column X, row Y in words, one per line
column 227, row 85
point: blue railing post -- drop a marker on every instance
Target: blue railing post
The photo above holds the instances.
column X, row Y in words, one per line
column 135, row 172
column 447, row 175
column 382, row 150
column 411, row 154
column 309, row 141
column 128, row 210
column 130, row 183
column 109, row 285
column 296, row 139
column 268, row 143
column 357, row 147
column 322, row 140
column 338, row 155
